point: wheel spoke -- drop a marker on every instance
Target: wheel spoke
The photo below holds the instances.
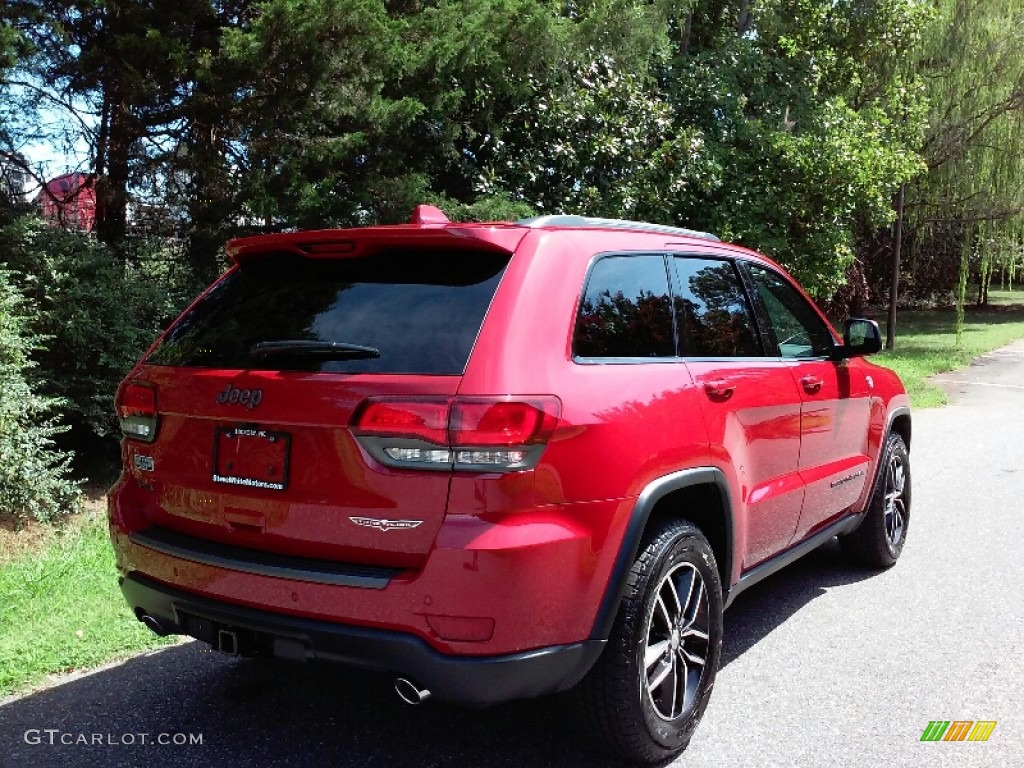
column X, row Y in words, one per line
column 692, row 657
column 653, row 653
column 653, row 682
column 691, row 582
column 677, row 606
column 663, row 611
column 693, row 603
column 681, row 673
column 694, row 632
column 898, row 478
column 675, row 687
column 896, row 531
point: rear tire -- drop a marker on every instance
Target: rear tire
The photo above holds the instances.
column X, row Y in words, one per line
column 878, row 541
column 647, row 692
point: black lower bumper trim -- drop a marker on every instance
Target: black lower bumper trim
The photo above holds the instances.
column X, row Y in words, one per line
column 477, row 681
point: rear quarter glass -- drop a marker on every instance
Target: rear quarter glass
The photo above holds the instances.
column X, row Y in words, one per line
column 421, row 308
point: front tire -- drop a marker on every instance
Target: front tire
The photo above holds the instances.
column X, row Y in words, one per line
column 648, row 691
column 878, row 541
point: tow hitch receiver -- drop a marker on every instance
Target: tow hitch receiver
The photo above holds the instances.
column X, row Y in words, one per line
column 227, row 642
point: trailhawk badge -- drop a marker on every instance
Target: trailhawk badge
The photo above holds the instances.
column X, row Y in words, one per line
column 386, row 525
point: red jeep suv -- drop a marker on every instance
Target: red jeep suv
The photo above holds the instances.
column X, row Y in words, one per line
column 501, row 460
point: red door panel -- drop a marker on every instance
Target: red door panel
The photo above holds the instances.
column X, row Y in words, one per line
column 835, row 408
column 833, row 427
column 752, row 411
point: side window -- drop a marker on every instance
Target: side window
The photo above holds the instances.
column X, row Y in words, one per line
column 625, row 311
column 712, row 309
column 799, row 331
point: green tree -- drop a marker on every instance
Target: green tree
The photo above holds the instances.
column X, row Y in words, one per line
column 598, row 141
column 384, row 105
column 11, row 51
column 34, row 479
column 969, row 207
column 120, row 75
column 787, row 125
column 806, row 119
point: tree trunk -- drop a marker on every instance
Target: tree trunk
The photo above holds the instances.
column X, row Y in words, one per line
column 744, row 18
column 961, row 289
column 684, row 46
column 112, row 187
column 209, row 203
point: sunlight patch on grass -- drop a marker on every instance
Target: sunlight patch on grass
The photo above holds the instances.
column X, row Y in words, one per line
column 61, row 608
column 926, row 342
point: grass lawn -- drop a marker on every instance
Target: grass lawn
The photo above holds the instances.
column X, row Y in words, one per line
column 926, row 341
column 60, row 606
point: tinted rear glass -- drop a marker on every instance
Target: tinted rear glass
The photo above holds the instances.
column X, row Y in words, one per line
column 421, row 308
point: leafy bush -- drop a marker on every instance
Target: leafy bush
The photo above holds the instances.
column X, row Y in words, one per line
column 494, row 207
column 96, row 311
column 34, row 479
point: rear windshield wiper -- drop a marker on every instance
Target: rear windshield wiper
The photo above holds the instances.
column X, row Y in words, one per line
column 338, row 350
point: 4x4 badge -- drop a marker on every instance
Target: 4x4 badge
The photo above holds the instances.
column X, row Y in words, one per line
column 386, row 525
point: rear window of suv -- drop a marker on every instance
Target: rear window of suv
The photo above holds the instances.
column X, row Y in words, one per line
column 420, row 309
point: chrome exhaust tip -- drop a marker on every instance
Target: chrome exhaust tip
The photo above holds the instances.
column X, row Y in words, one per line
column 153, row 624
column 409, row 692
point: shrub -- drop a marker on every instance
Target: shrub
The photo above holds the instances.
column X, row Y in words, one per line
column 97, row 312
column 34, row 480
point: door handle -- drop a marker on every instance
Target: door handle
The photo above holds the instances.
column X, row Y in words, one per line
column 718, row 390
column 811, row 384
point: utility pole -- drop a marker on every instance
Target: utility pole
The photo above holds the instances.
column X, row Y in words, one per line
column 890, row 327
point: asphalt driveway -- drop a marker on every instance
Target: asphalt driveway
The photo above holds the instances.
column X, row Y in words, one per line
column 824, row 665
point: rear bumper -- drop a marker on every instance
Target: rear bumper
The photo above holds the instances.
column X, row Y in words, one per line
column 472, row 680
column 490, row 586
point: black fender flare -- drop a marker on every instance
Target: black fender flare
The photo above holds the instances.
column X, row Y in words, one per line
column 630, row 545
column 895, row 413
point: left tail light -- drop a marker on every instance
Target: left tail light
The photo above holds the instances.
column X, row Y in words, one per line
column 136, row 409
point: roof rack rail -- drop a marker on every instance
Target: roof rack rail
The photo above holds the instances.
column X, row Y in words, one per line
column 569, row 220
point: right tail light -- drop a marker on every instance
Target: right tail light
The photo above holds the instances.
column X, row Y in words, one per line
column 494, row 434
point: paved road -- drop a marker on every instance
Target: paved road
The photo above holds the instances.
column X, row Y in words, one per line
column 824, row 665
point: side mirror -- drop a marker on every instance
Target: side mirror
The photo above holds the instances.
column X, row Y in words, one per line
column 860, row 337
